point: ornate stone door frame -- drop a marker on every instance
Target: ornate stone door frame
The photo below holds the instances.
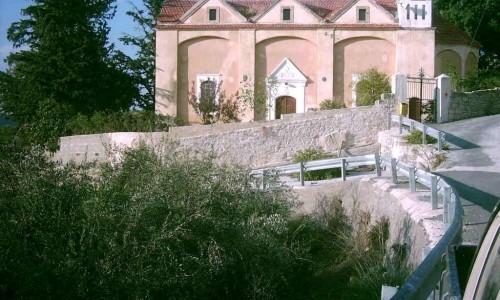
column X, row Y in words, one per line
column 285, row 80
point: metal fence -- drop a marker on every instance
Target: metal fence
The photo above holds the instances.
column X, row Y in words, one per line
column 329, row 163
column 437, row 272
column 414, row 125
column 421, row 93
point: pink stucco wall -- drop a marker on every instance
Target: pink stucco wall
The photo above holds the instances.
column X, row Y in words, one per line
column 326, row 51
column 205, row 55
column 270, row 53
column 356, row 55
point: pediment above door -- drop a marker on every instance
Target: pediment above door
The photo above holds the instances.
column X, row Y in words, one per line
column 286, row 71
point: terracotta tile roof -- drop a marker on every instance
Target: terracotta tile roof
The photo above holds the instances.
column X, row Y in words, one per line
column 448, row 33
column 389, row 5
column 249, row 8
column 174, row 9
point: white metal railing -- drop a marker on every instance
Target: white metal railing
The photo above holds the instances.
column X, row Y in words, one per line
column 439, row 266
column 415, row 125
column 329, row 163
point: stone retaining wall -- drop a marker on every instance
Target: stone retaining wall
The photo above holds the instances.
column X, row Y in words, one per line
column 473, row 104
column 413, row 223
column 250, row 144
column 425, row 157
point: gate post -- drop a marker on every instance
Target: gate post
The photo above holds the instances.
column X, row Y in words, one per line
column 399, row 87
column 443, row 98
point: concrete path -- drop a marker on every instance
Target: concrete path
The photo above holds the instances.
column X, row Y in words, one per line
column 473, row 168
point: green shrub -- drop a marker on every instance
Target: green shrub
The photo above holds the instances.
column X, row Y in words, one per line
column 172, row 227
column 128, row 121
column 315, row 154
column 356, row 257
column 370, row 86
column 480, row 80
column 474, row 81
column 415, row 138
column 329, row 104
column 165, row 227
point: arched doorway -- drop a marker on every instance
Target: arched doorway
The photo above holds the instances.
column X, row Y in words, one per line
column 285, row 105
column 285, row 81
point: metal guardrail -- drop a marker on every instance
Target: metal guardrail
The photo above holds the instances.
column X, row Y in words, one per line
column 439, row 266
column 414, row 125
column 329, row 163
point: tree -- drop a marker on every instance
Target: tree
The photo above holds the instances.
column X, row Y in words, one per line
column 143, row 66
column 370, row 86
column 68, row 63
column 481, row 20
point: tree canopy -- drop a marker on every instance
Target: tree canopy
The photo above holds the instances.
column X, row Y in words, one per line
column 68, row 66
column 142, row 67
column 481, row 20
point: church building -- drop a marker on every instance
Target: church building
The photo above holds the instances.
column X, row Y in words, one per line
column 311, row 50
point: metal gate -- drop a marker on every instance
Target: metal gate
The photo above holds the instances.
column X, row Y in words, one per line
column 421, row 93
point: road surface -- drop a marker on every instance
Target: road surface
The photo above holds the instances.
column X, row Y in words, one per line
column 473, row 168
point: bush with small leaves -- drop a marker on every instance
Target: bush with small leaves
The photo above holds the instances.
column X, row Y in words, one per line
column 371, row 85
column 167, row 225
column 329, row 104
column 416, row 137
column 315, row 154
column 128, row 121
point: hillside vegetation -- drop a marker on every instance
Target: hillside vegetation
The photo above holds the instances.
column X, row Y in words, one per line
column 172, row 226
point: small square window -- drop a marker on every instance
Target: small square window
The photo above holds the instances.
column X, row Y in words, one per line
column 213, row 15
column 363, row 15
column 287, row 14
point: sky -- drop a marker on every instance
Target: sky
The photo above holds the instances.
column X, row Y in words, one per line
column 10, row 11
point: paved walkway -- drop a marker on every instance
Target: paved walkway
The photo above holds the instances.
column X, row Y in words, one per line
column 473, row 168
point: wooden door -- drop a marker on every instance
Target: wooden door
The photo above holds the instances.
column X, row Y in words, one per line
column 414, row 109
column 285, row 105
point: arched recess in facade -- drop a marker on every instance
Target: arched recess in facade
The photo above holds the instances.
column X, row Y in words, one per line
column 446, row 61
column 471, row 63
column 203, row 55
column 271, row 52
column 356, row 55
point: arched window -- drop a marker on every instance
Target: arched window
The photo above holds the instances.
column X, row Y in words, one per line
column 207, row 90
column 207, row 86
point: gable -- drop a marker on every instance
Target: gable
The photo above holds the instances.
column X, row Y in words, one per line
column 374, row 13
column 174, row 11
column 200, row 13
column 286, row 71
column 300, row 14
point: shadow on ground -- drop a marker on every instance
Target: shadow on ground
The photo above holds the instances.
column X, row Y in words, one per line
column 475, row 194
column 459, row 142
